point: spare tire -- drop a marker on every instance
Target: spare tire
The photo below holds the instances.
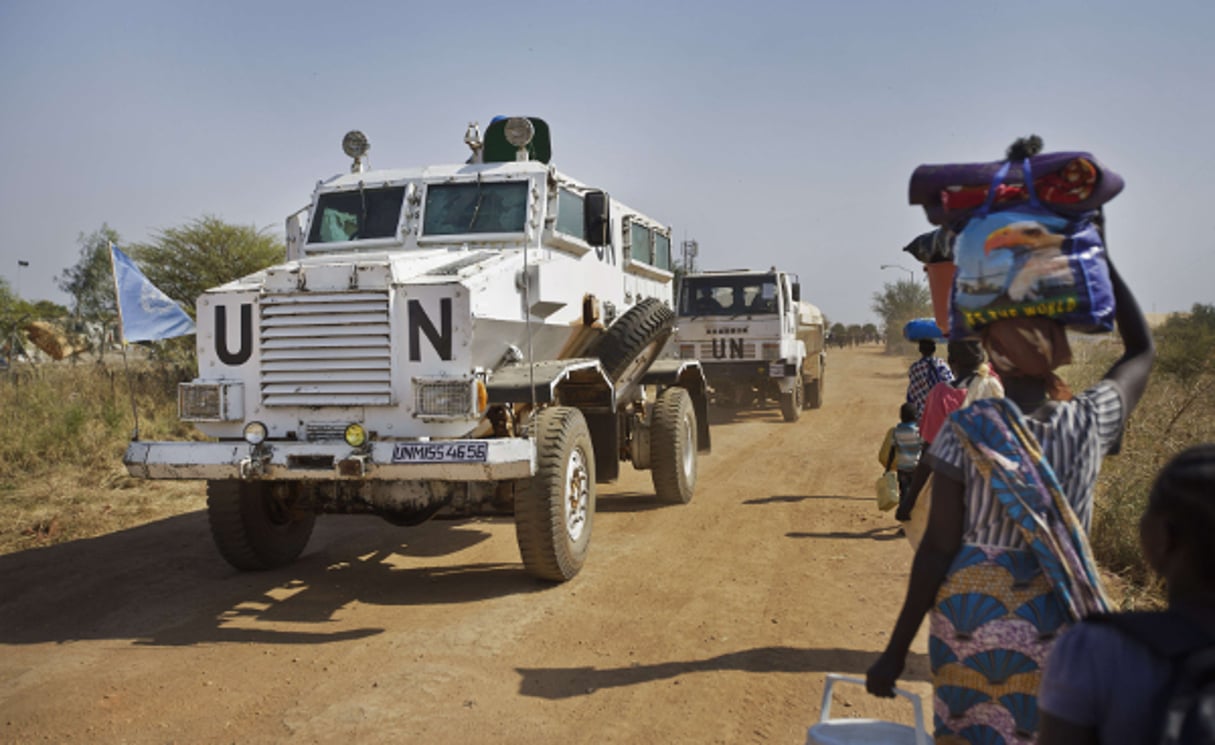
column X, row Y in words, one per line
column 633, row 342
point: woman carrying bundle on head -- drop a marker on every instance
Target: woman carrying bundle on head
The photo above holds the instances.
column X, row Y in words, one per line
column 1004, row 562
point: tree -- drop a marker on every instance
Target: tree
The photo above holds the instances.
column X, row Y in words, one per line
column 90, row 282
column 184, row 261
column 898, row 303
column 870, row 333
column 839, row 334
column 854, row 334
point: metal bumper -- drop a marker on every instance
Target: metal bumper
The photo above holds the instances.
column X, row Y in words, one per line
column 506, row 458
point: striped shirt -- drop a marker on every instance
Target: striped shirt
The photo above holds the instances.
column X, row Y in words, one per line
column 1074, row 435
column 923, row 374
column 907, row 445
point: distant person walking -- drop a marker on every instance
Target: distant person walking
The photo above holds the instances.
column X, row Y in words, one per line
column 925, row 373
column 1110, row 679
column 973, row 379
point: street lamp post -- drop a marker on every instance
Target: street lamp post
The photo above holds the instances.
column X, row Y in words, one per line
column 900, row 266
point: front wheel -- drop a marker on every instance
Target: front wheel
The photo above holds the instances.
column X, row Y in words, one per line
column 555, row 508
column 673, row 445
column 253, row 528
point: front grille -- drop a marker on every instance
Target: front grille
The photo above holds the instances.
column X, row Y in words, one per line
column 327, row 349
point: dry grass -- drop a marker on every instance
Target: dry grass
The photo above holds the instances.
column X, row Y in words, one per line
column 1174, row 414
column 63, row 430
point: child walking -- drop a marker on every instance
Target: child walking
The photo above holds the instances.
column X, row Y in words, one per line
column 901, row 450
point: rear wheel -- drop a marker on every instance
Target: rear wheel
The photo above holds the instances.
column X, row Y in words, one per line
column 555, row 508
column 791, row 402
column 633, row 342
column 253, row 528
column 814, row 391
column 673, row 444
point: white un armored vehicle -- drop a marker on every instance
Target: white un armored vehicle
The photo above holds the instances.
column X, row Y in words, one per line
column 469, row 338
column 756, row 337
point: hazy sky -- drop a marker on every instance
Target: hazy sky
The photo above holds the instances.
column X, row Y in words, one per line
column 771, row 132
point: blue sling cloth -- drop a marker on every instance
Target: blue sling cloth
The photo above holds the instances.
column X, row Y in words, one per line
column 1009, row 457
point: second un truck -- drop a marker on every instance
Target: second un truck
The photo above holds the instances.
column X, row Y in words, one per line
column 756, row 338
column 467, row 338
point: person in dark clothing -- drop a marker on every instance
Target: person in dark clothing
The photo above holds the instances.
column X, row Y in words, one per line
column 1101, row 686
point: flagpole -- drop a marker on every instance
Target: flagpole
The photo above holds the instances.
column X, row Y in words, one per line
column 123, row 344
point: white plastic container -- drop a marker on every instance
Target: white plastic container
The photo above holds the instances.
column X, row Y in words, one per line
column 830, row 731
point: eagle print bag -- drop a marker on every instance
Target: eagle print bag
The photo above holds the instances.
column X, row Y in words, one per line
column 1028, row 261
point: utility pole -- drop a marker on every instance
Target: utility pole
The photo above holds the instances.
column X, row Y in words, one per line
column 690, row 249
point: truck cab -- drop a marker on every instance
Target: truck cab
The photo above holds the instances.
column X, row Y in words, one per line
column 755, row 337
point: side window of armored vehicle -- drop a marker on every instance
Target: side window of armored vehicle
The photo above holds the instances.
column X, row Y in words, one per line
column 356, row 215
column 641, row 243
column 477, row 207
column 662, row 251
column 571, row 212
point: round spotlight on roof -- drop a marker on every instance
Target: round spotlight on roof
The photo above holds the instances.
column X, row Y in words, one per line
column 519, row 131
column 355, row 144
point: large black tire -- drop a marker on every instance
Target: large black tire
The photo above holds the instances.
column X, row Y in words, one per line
column 791, row 402
column 673, row 446
column 814, row 391
column 633, row 342
column 253, row 530
column 555, row 508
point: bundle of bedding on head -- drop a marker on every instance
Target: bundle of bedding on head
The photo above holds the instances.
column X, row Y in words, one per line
column 1070, row 183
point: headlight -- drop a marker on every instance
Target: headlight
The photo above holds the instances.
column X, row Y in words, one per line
column 356, row 435
column 771, row 351
column 255, row 433
column 687, row 351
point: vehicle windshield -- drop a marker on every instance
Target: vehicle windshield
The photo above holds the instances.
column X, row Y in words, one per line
column 355, row 215
column 475, row 207
column 728, row 296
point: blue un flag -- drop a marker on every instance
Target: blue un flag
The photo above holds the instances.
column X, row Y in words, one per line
column 144, row 312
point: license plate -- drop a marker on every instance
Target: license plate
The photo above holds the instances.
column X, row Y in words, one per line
column 458, row 451
column 776, row 370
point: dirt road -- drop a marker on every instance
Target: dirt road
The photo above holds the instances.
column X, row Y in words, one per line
column 712, row 622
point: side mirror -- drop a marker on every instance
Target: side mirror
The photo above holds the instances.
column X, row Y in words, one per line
column 797, row 292
column 597, row 218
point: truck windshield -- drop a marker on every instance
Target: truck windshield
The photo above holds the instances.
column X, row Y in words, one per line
column 728, row 296
column 476, row 207
column 356, row 215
